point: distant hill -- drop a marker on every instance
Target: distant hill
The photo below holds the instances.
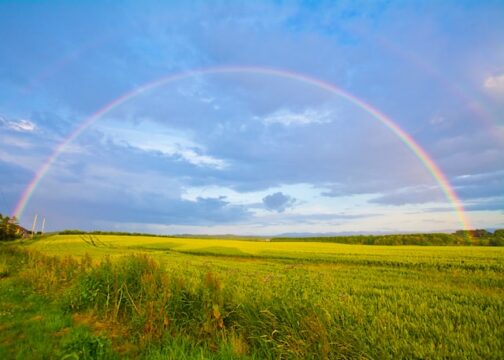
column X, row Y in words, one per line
column 332, row 234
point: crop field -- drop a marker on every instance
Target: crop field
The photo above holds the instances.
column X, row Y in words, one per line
column 107, row 296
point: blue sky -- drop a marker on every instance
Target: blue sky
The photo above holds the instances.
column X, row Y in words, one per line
column 251, row 153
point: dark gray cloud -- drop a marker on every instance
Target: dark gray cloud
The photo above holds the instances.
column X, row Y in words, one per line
column 153, row 208
column 404, row 196
column 278, row 202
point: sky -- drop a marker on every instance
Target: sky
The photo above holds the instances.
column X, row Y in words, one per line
column 217, row 117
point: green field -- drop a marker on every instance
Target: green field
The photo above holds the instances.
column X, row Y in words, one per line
column 152, row 297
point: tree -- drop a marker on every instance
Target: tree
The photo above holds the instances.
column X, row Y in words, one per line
column 497, row 238
column 9, row 228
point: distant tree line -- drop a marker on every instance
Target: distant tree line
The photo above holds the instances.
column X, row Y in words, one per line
column 100, row 232
column 477, row 237
column 124, row 233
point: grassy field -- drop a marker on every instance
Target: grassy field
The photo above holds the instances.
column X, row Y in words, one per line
column 148, row 297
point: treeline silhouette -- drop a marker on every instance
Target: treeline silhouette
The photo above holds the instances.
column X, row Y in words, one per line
column 479, row 237
column 10, row 230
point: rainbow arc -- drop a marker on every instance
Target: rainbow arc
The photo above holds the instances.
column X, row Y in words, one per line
column 405, row 138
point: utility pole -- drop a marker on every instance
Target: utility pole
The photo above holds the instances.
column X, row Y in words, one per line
column 34, row 225
column 43, row 226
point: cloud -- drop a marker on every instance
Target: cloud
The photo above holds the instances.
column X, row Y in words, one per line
column 494, row 83
column 149, row 136
column 488, row 204
column 476, row 190
column 20, row 125
column 278, row 202
column 192, row 155
column 409, row 195
column 492, row 204
column 480, row 204
column 146, row 206
column 479, row 185
column 364, row 185
column 288, row 117
column 469, row 151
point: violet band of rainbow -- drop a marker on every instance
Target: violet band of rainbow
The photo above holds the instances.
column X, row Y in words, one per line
column 405, row 138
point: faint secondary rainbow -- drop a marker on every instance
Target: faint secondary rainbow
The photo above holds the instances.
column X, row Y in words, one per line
column 417, row 150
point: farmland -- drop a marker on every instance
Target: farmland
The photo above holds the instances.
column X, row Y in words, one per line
column 110, row 296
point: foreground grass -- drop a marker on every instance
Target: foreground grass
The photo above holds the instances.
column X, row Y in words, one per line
column 33, row 326
column 183, row 298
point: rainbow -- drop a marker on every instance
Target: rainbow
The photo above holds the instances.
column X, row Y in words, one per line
column 417, row 150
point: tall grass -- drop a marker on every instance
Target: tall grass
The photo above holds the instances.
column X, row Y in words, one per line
column 154, row 305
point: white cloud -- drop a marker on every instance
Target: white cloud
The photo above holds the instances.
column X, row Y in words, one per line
column 21, row 125
column 494, row 83
column 153, row 137
column 287, row 117
column 192, row 154
column 201, row 160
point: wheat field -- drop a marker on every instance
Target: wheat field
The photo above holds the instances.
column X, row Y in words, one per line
column 216, row 298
